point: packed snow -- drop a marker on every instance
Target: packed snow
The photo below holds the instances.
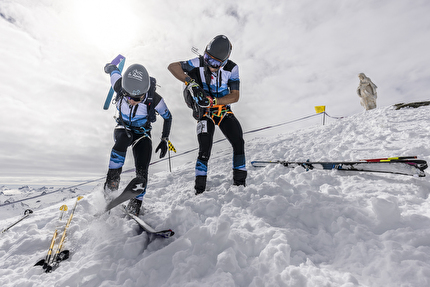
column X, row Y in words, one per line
column 287, row 227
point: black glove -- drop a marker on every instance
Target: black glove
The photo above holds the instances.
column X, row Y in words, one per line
column 162, row 146
column 195, row 90
column 109, row 68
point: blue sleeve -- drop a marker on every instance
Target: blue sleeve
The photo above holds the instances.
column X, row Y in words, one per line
column 188, row 66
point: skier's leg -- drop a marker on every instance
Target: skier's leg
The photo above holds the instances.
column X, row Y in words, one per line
column 205, row 132
column 117, row 158
column 142, row 151
column 232, row 130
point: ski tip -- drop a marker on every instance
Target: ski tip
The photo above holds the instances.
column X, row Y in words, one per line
column 165, row 233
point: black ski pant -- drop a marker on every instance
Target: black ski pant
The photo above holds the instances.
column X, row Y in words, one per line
column 232, row 130
column 141, row 148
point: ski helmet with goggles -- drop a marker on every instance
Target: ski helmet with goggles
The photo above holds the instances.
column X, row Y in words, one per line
column 217, row 51
column 135, row 80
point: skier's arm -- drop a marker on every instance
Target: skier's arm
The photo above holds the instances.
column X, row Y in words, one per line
column 166, row 128
column 167, row 116
column 176, row 70
column 164, row 112
column 231, row 98
column 115, row 75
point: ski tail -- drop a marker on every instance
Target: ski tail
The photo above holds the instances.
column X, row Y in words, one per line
column 118, row 61
column 145, row 226
column 134, row 188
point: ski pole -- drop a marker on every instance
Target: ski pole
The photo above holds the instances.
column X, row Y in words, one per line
column 45, row 262
column 27, row 213
column 60, row 245
column 170, row 164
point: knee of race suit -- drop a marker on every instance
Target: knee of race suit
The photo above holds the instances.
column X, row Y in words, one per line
column 117, row 159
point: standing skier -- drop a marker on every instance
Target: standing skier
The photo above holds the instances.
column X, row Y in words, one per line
column 212, row 84
column 137, row 104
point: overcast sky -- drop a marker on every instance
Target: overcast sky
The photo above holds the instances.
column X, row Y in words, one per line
column 292, row 56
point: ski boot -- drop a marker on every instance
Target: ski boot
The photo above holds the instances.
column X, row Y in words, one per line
column 112, row 182
column 200, row 184
column 133, row 206
column 239, row 177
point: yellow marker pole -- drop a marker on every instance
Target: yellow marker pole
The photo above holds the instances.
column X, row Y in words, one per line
column 171, row 148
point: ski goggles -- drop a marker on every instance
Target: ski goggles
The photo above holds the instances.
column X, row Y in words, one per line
column 212, row 62
column 139, row 99
column 135, row 98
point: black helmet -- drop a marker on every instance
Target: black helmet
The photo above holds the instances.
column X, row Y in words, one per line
column 135, row 80
column 219, row 48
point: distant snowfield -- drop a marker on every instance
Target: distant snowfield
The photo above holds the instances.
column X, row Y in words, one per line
column 287, row 227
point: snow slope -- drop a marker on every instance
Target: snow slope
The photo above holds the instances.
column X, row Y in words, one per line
column 287, row 227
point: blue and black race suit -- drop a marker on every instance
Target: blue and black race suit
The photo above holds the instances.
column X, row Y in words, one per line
column 217, row 85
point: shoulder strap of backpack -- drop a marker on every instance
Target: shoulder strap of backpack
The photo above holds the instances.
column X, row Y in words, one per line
column 149, row 102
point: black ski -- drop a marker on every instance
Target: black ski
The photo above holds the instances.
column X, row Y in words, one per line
column 27, row 213
column 413, row 167
column 135, row 187
column 163, row 233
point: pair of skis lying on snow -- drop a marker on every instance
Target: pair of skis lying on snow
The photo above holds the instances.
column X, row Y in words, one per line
column 407, row 165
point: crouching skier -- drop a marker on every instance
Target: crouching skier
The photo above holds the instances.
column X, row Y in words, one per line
column 212, row 84
column 137, row 104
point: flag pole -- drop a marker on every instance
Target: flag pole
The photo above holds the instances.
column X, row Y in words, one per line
column 170, row 164
column 321, row 110
column 170, row 148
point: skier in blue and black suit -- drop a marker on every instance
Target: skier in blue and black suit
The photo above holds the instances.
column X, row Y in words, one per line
column 137, row 103
column 212, row 84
